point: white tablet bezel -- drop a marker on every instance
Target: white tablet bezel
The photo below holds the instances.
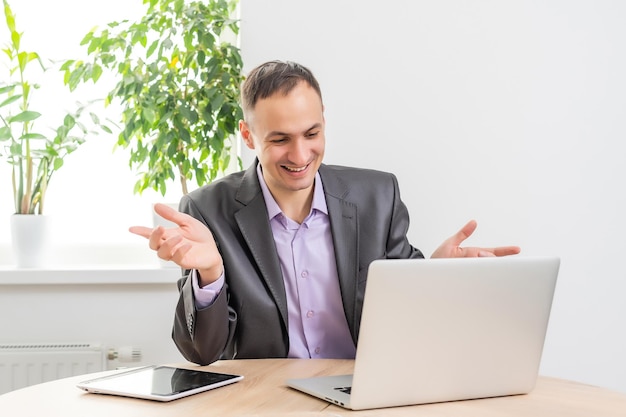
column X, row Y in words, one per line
column 126, row 383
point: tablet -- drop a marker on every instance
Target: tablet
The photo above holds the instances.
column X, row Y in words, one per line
column 159, row 383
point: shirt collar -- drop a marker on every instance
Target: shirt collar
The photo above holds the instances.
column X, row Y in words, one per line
column 319, row 201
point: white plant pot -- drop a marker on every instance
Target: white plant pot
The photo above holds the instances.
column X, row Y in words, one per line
column 30, row 235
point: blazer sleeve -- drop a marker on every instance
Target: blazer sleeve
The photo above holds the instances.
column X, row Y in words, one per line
column 201, row 335
column 398, row 245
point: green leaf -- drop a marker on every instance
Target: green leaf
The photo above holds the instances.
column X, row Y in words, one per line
column 217, row 101
column 10, row 18
column 152, row 48
column 25, row 116
column 16, row 149
column 96, row 72
column 94, row 118
column 188, row 113
column 66, row 65
column 7, row 88
column 69, row 121
column 88, row 37
column 10, row 100
column 33, row 136
column 5, row 133
column 148, row 113
column 15, row 39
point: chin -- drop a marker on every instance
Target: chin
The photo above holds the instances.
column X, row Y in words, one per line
column 300, row 183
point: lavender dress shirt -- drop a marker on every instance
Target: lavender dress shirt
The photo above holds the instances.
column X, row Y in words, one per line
column 317, row 322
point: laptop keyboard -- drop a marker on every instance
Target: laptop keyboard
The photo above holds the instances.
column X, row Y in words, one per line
column 345, row 390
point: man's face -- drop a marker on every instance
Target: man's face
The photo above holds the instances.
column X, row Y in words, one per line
column 287, row 133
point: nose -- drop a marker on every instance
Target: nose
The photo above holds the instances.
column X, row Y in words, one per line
column 299, row 152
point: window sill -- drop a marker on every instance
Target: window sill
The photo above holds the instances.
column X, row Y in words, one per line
column 89, row 275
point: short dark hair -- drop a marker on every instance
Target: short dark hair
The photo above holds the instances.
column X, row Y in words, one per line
column 274, row 77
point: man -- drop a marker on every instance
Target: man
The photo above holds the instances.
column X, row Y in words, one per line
column 276, row 257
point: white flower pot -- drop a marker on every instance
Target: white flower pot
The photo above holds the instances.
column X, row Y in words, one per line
column 30, row 239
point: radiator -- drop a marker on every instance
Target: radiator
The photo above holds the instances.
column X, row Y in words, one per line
column 22, row 365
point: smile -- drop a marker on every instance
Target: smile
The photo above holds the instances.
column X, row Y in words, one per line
column 292, row 169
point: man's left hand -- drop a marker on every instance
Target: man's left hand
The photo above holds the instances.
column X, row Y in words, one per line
column 451, row 248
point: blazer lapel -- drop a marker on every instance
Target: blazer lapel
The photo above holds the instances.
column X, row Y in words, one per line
column 343, row 223
column 253, row 222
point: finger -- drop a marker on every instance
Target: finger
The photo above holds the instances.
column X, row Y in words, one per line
column 506, row 250
column 472, row 252
column 156, row 237
column 168, row 247
column 499, row 251
column 465, row 232
column 141, row 231
column 173, row 215
column 180, row 253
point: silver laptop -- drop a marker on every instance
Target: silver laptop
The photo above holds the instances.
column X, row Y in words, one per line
column 437, row 330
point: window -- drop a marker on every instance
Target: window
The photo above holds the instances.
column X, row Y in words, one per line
column 91, row 197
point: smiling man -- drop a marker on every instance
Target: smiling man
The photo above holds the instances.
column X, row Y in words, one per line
column 286, row 130
column 275, row 258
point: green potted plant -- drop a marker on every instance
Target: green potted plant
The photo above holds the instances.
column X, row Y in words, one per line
column 34, row 156
column 177, row 80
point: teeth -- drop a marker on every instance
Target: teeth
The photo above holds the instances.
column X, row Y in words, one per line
column 296, row 169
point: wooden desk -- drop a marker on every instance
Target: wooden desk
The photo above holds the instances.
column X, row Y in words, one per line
column 262, row 393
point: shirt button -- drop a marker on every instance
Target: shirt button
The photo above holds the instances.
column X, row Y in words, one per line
column 310, row 313
column 304, row 274
column 317, row 350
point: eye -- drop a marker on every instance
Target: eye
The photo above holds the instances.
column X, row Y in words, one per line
column 312, row 134
column 279, row 140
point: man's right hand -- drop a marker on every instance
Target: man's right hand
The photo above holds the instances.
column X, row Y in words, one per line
column 190, row 245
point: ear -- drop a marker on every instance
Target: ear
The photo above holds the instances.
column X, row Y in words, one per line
column 245, row 134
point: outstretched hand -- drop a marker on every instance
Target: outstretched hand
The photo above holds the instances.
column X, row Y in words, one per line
column 190, row 245
column 451, row 248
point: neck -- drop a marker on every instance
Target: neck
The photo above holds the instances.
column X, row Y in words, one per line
column 296, row 205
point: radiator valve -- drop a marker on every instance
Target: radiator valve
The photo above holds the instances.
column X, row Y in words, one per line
column 125, row 354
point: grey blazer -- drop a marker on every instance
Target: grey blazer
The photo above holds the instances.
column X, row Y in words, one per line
column 249, row 317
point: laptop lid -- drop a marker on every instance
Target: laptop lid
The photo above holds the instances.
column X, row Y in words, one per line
column 437, row 330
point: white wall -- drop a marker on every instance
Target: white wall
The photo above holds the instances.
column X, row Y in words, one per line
column 511, row 113
column 125, row 306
